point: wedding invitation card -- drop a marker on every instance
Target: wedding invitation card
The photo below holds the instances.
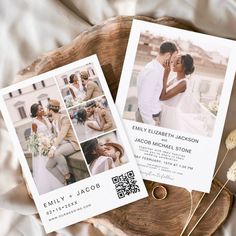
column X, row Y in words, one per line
column 173, row 97
column 68, row 136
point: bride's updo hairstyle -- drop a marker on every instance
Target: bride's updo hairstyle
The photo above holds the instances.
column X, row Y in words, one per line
column 188, row 64
column 89, row 148
column 72, row 76
column 81, row 116
column 34, row 110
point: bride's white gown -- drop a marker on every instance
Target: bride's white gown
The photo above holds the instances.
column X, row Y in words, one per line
column 44, row 180
column 182, row 112
column 101, row 164
column 89, row 132
column 79, row 93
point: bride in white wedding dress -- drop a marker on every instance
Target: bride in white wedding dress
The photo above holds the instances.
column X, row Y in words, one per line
column 44, row 180
column 93, row 119
column 90, row 122
column 76, row 88
column 180, row 110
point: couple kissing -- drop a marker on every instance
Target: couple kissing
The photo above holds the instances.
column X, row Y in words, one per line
column 169, row 102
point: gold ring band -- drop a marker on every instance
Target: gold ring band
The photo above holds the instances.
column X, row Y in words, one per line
column 159, row 192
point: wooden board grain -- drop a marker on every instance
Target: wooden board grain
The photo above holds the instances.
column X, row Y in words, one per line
column 147, row 216
column 167, row 217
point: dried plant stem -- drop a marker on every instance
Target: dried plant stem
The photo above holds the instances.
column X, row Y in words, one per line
column 221, row 163
column 208, row 207
column 191, row 216
column 200, row 200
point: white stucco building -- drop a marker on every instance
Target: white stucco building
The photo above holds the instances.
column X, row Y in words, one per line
column 20, row 101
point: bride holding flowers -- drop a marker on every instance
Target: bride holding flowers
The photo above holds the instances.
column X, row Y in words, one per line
column 39, row 144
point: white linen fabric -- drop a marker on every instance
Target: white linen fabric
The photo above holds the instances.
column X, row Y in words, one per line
column 150, row 84
column 30, row 28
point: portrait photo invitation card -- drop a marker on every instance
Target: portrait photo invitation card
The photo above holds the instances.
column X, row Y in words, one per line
column 74, row 153
column 173, row 97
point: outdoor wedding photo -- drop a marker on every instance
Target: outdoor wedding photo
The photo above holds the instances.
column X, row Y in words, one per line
column 46, row 136
column 92, row 118
column 104, row 153
column 176, row 82
column 79, row 85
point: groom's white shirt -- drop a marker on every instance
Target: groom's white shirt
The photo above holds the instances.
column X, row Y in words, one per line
column 150, row 84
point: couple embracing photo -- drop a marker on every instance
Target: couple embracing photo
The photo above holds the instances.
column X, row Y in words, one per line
column 164, row 92
column 92, row 118
column 79, row 86
column 103, row 153
column 51, row 141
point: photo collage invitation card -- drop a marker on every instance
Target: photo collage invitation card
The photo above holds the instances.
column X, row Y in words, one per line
column 74, row 153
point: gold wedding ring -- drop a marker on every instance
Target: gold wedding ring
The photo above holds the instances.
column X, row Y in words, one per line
column 159, row 192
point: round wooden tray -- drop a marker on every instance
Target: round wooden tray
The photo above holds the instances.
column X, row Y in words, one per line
column 147, row 216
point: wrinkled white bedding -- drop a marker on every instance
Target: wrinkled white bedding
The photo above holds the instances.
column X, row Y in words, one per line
column 30, row 28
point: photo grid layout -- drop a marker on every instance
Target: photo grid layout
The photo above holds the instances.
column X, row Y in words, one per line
column 66, row 128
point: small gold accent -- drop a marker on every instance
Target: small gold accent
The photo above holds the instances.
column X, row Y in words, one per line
column 159, row 192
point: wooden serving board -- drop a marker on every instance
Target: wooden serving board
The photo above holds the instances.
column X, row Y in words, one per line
column 167, row 217
column 147, row 216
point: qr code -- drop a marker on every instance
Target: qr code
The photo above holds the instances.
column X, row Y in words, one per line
column 125, row 184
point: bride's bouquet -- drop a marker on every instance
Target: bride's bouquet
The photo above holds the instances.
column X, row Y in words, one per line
column 68, row 103
column 77, row 101
column 213, row 107
column 39, row 144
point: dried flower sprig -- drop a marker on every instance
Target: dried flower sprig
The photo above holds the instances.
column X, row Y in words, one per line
column 230, row 141
column 231, row 176
column 230, row 144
